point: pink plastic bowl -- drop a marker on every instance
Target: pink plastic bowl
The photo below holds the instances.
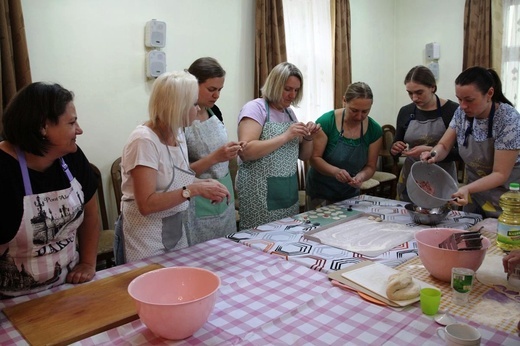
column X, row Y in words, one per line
column 439, row 261
column 175, row 302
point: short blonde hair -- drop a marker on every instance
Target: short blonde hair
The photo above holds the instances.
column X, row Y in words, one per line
column 274, row 84
column 173, row 94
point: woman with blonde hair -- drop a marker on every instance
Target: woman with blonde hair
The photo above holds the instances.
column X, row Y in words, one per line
column 157, row 182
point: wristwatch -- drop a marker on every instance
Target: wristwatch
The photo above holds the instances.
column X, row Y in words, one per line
column 186, row 193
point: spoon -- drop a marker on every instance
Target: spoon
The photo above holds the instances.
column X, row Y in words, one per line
column 444, row 319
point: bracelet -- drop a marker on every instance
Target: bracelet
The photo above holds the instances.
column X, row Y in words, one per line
column 308, row 140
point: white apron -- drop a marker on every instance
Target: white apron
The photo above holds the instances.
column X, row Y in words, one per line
column 44, row 249
column 204, row 220
column 157, row 233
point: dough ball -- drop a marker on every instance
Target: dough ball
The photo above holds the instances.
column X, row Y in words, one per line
column 401, row 287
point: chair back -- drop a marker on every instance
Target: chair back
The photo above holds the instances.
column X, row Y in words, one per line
column 115, row 173
column 389, row 163
column 101, row 197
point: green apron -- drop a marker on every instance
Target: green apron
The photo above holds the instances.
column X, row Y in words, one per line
column 204, row 220
column 348, row 154
column 268, row 187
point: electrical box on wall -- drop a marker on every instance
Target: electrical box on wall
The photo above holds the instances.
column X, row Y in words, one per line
column 155, row 34
column 433, row 51
column 434, row 67
column 155, row 63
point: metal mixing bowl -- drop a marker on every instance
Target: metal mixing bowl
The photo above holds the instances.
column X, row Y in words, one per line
column 426, row 216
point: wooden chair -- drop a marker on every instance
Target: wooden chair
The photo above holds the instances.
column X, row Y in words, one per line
column 233, row 170
column 115, row 173
column 106, row 239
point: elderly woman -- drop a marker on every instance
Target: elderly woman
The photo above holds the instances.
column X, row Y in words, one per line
column 267, row 183
column 345, row 152
column 157, row 182
column 47, row 188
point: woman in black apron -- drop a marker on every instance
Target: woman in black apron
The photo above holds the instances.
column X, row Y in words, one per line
column 421, row 124
column 267, row 183
column 346, row 151
column 47, row 186
column 486, row 128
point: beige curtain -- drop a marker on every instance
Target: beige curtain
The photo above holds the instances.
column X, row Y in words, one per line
column 270, row 47
column 497, row 32
column 477, row 33
column 342, row 59
column 14, row 57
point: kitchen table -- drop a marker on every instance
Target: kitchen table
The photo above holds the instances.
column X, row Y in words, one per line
column 281, row 297
column 266, row 300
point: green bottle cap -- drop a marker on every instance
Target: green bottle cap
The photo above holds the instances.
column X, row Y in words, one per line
column 514, row 186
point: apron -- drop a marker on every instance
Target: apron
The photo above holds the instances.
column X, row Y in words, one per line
column 479, row 159
column 203, row 220
column 44, row 248
column 268, row 187
column 348, row 154
column 426, row 132
column 157, row 233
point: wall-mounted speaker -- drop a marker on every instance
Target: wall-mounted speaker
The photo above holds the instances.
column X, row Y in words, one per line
column 155, row 34
column 155, row 63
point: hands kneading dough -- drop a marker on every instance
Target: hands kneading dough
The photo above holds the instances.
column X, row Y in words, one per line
column 401, row 287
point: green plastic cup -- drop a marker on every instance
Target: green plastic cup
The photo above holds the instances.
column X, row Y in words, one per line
column 430, row 300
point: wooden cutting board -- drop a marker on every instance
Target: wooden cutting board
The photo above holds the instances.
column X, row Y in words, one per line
column 77, row 313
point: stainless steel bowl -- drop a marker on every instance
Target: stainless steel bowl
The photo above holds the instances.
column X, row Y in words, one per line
column 426, row 216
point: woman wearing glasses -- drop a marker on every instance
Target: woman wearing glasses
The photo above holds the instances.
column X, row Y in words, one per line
column 421, row 124
column 486, row 128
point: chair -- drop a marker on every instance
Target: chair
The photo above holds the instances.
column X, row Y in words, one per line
column 106, row 238
column 369, row 187
column 303, row 168
column 387, row 176
column 115, row 172
column 233, row 170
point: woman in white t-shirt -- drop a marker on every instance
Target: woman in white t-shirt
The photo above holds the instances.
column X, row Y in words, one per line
column 157, row 182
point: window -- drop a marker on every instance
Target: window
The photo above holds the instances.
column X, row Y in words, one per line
column 511, row 51
column 308, row 38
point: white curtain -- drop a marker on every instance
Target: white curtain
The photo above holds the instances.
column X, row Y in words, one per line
column 511, row 51
column 308, row 39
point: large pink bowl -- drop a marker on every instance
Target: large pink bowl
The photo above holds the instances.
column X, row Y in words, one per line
column 175, row 302
column 439, row 261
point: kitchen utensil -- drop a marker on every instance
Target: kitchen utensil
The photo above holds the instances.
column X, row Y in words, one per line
column 463, row 241
column 67, row 316
column 444, row 318
column 439, row 261
column 426, row 216
column 443, row 185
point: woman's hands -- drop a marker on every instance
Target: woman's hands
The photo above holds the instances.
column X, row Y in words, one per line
column 344, row 177
column 305, row 131
column 511, row 261
column 82, row 272
column 398, row 148
column 229, row 151
column 210, row 189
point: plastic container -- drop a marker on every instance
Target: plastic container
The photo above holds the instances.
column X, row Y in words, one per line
column 508, row 230
column 442, row 183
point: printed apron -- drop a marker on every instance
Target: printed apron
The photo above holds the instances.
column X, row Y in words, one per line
column 348, row 154
column 479, row 158
column 157, row 233
column 44, row 248
column 268, row 187
column 204, row 220
column 426, row 132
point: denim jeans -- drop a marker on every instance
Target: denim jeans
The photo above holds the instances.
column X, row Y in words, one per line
column 119, row 242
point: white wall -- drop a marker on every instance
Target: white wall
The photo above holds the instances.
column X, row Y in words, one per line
column 388, row 39
column 96, row 48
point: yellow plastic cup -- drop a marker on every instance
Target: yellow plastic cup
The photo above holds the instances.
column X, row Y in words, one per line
column 430, row 300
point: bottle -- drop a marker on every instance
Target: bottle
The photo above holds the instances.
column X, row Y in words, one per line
column 508, row 231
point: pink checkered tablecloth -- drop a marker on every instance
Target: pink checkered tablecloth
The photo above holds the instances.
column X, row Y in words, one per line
column 266, row 300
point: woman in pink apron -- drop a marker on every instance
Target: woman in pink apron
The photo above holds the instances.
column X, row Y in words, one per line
column 47, row 185
column 209, row 152
column 266, row 182
column 421, row 124
column 157, row 182
column 486, row 128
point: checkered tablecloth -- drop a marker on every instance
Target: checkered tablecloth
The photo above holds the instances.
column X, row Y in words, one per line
column 266, row 300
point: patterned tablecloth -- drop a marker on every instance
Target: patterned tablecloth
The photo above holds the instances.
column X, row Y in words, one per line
column 265, row 300
column 285, row 237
